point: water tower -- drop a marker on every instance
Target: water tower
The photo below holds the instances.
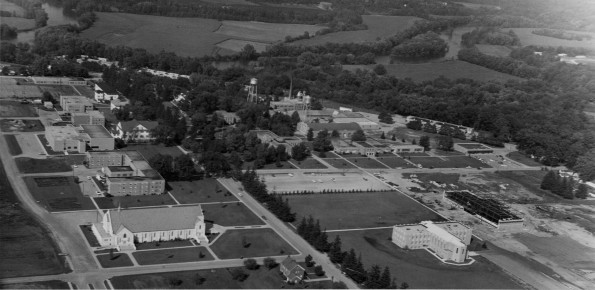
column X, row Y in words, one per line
column 253, row 90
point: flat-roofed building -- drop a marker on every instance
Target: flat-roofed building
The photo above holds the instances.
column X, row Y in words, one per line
column 406, row 148
column 345, row 129
column 59, row 81
column 268, row 137
column 448, row 240
column 104, row 159
column 118, row 171
column 75, row 104
column 88, row 118
column 99, row 137
column 229, row 117
column 105, row 92
column 287, row 104
column 66, row 138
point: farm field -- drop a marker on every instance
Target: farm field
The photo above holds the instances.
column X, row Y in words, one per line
column 150, row 150
column 31, row 165
column 13, row 145
column 309, row 163
column 262, row 243
column 415, row 266
column 58, row 193
column 199, row 191
column 429, row 71
column 528, row 38
column 26, row 246
column 15, row 109
column 230, row 214
column 213, row 279
column 16, row 125
column 374, row 209
column 494, row 50
column 173, row 255
column 117, row 260
column 18, row 22
column 379, row 27
column 317, row 182
column 134, row 201
column 365, row 162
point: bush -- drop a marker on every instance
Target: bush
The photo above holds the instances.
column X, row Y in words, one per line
column 318, row 271
column 270, row 263
column 251, row 264
column 238, row 274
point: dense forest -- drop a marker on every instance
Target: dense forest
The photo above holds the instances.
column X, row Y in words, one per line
column 33, row 10
column 7, row 32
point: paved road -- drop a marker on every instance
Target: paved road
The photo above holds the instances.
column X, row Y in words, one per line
column 280, row 227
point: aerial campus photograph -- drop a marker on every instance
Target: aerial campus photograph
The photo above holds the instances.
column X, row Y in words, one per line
column 297, row 144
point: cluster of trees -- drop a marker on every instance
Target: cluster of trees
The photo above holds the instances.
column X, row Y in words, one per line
column 175, row 168
column 427, row 45
column 33, row 10
column 322, row 142
column 490, row 35
column 7, row 32
column 385, row 117
column 561, row 34
column 257, row 189
column 445, row 129
column 563, row 186
column 501, row 64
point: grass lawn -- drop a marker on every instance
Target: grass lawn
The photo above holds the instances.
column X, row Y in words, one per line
column 199, row 191
column 51, row 284
column 134, row 201
column 150, row 150
column 13, row 145
column 261, row 278
column 31, row 165
column 89, row 236
column 26, row 246
column 16, row 125
column 163, row 245
column 521, row 158
column 530, row 179
column 56, row 90
column 365, row 162
column 58, row 193
column 340, row 163
column 173, row 255
column 330, row 155
column 115, row 260
column 16, row 109
column 416, row 266
column 448, row 162
column 395, row 162
column 309, row 163
column 370, row 209
column 230, row 214
column 528, row 38
column 284, row 165
column 262, row 243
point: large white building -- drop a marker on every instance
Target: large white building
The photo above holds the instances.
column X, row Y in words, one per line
column 121, row 229
column 105, row 92
column 448, row 240
column 135, row 131
column 77, row 139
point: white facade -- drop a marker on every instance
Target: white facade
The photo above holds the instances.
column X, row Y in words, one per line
column 105, row 93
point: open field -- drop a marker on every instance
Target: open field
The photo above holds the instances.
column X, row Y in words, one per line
column 117, row 260
column 56, row 90
column 31, row 165
column 58, row 193
column 284, row 165
column 339, row 163
column 150, row 150
column 12, row 8
column 379, row 27
column 308, row 163
column 562, row 249
column 230, row 214
column 416, row 266
column 494, row 50
column 528, row 38
column 13, row 145
column 317, row 182
column 360, row 210
column 15, row 109
column 85, row 91
column 163, row 245
column 530, row 180
column 173, row 255
column 89, row 235
column 263, row 32
column 365, row 162
column 448, row 162
column 26, row 246
column 52, row 284
column 235, row 45
column 134, row 201
column 199, row 191
column 519, row 157
column 395, row 162
column 15, row 125
column 18, row 22
column 11, row 89
column 213, row 279
column 261, row 243
column 455, row 69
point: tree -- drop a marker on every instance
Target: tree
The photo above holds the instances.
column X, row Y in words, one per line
column 322, row 142
column 414, row 125
column 404, row 285
column 582, row 191
column 585, row 165
column 310, row 135
column 382, row 136
column 424, row 141
column 385, row 117
column 358, row 136
column 270, row 263
column 198, row 279
column 295, row 118
column 569, row 189
column 445, row 143
column 247, row 53
column 549, row 180
column 393, row 138
column 373, row 277
column 251, row 264
column 335, row 134
column 335, row 253
column 300, row 152
column 385, row 280
column 380, row 70
column 238, row 274
column 319, row 271
column 309, row 261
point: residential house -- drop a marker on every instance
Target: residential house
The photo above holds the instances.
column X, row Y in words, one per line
column 135, row 131
column 105, row 92
column 292, row 271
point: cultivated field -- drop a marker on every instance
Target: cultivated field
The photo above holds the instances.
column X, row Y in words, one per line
column 379, row 27
column 58, row 193
column 26, row 246
column 495, row 50
column 230, row 214
column 18, row 22
column 317, row 182
column 173, row 255
column 449, row 69
column 360, row 210
column 200, row 191
column 416, row 266
column 10, row 89
column 16, row 109
column 150, row 150
column 234, row 244
column 12, row 125
column 528, row 38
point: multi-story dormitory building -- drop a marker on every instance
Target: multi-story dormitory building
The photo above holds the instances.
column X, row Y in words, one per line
column 126, row 173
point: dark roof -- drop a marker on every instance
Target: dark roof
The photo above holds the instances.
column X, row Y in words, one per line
column 334, row 126
column 119, row 168
column 156, row 219
column 107, row 89
column 127, row 126
column 96, row 131
column 290, row 265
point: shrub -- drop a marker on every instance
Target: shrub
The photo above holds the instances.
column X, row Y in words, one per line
column 238, row 274
column 251, row 264
column 270, row 263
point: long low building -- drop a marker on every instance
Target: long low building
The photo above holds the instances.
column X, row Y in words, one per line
column 448, row 240
column 123, row 229
column 79, row 139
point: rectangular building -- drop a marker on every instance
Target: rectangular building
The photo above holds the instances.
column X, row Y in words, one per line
column 105, row 92
column 75, row 104
column 473, row 148
column 99, row 137
column 88, row 118
column 66, row 138
column 58, row 81
column 406, row 148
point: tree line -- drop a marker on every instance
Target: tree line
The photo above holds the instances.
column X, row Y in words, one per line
column 563, row 186
column 33, row 11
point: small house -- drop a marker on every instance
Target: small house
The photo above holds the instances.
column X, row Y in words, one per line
column 292, row 271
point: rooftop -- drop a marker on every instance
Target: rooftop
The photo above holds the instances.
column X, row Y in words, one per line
column 119, row 168
column 96, row 131
column 156, row 218
column 334, row 126
column 442, row 233
column 66, row 132
column 107, row 88
column 128, row 126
